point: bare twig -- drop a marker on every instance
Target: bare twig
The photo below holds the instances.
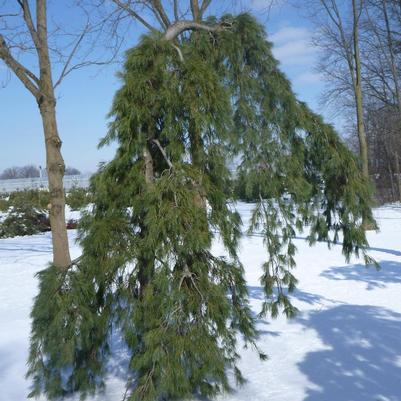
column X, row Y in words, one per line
column 134, row 14
column 29, row 22
column 65, row 71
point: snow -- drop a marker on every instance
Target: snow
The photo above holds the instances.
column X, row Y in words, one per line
column 345, row 345
column 71, row 214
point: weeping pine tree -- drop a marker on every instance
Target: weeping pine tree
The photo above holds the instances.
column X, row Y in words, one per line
column 147, row 270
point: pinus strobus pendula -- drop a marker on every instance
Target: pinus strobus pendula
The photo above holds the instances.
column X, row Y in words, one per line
column 147, row 270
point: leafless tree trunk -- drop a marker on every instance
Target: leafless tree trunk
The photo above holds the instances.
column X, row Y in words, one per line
column 357, row 83
column 382, row 76
column 338, row 38
column 394, row 73
column 24, row 32
column 41, row 87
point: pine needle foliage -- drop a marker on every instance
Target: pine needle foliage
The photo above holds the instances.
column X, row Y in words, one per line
column 147, row 267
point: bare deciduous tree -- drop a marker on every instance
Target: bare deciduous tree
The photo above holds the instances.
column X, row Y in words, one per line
column 338, row 38
column 30, row 50
column 72, row 171
column 42, row 88
column 382, row 129
column 382, row 81
column 10, row 173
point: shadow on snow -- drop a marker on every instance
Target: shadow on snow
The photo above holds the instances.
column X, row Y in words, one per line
column 389, row 273
column 363, row 359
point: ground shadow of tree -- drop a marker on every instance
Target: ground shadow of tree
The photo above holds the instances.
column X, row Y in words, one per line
column 363, row 362
column 390, row 272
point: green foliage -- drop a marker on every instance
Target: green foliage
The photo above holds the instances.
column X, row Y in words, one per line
column 77, row 198
column 25, row 213
column 23, row 221
column 35, row 198
column 55, row 328
column 147, row 267
column 4, row 202
column 244, row 188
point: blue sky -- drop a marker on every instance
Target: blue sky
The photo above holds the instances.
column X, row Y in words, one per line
column 85, row 97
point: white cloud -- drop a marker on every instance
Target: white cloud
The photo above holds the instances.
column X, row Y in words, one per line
column 310, row 78
column 290, row 33
column 292, row 46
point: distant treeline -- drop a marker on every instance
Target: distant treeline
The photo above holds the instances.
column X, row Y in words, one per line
column 31, row 171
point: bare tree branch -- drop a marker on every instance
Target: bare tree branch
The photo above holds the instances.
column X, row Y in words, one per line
column 29, row 79
column 29, row 22
column 65, row 71
column 195, row 10
column 181, row 26
column 9, row 15
column 160, row 11
column 163, row 152
column 204, row 6
column 134, row 14
column 176, row 16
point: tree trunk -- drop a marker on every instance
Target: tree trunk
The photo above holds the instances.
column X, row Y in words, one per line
column 55, row 171
column 197, row 155
column 391, row 177
column 397, row 170
column 149, row 173
column 363, row 146
column 393, row 189
column 394, row 73
column 146, row 263
column 54, row 160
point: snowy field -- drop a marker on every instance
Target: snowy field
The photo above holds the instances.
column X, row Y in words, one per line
column 345, row 345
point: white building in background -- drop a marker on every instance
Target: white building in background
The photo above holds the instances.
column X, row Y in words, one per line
column 21, row 184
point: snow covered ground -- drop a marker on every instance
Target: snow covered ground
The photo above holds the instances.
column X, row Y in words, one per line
column 345, row 345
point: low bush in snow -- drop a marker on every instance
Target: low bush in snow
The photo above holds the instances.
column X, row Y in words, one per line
column 26, row 212
column 78, row 198
column 21, row 220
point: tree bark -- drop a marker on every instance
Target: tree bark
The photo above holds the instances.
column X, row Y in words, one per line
column 54, row 160
column 179, row 27
column 55, row 171
column 146, row 263
column 149, row 171
column 363, row 146
column 195, row 10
